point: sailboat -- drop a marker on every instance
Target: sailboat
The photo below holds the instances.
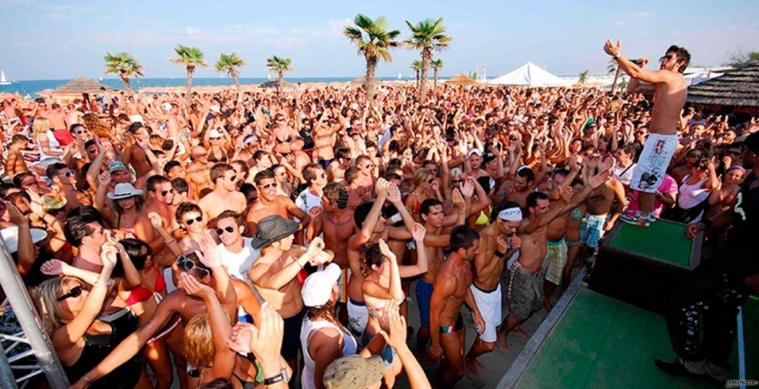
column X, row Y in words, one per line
column 3, row 80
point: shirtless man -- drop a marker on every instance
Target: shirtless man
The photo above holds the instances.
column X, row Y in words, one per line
column 159, row 201
column 517, row 189
column 670, row 92
column 325, row 136
column 526, row 278
column 134, row 154
column 224, row 195
column 274, row 274
column 197, row 173
column 438, row 227
column 498, row 242
column 452, row 289
column 57, row 117
column 269, row 203
column 598, row 218
column 342, row 162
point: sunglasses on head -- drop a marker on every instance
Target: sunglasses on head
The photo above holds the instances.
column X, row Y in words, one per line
column 196, row 219
column 229, row 229
column 73, row 292
column 187, row 264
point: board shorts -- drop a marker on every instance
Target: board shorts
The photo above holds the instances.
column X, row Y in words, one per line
column 653, row 162
column 556, row 258
column 423, row 298
column 592, row 230
column 358, row 316
column 489, row 304
column 525, row 291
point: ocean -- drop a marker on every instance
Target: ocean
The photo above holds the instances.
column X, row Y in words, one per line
column 31, row 87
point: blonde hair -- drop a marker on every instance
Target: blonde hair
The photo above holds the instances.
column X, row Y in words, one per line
column 198, row 344
column 45, row 297
column 420, row 175
column 96, row 126
column 41, row 125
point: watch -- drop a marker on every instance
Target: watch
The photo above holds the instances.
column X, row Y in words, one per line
column 282, row 376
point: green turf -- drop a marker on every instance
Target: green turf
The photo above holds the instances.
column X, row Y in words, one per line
column 662, row 240
column 603, row 343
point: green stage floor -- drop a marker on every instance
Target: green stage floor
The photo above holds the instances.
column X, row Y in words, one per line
column 600, row 342
column 662, row 240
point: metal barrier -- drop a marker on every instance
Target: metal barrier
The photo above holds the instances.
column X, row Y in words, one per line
column 41, row 347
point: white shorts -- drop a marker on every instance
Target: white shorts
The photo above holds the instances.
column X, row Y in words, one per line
column 653, row 162
column 358, row 317
column 489, row 305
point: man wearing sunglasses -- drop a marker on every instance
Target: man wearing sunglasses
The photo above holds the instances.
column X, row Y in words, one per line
column 670, row 92
column 224, row 195
column 64, row 178
column 237, row 254
column 270, row 203
column 159, row 200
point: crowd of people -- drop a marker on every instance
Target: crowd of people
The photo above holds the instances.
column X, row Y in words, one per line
column 264, row 238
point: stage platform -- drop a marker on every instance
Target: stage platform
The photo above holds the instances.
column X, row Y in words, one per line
column 593, row 341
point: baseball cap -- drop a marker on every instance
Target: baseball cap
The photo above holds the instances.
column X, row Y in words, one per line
column 116, row 166
column 353, row 371
column 474, row 151
column 271, row 229
column 317, row 288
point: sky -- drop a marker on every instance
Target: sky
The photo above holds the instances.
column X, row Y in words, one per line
column 67, row 39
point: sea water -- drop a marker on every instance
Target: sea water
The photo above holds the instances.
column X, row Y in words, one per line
column 32, row 87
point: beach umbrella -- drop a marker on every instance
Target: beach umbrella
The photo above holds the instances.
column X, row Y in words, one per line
column 79, row 86
column 277, row 84
column 461, row 79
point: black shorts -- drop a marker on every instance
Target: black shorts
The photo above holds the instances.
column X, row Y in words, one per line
column 291, row 341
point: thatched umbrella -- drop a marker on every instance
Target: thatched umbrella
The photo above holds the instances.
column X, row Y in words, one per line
column 461, row 79
column 79, row 86
column 736, row 88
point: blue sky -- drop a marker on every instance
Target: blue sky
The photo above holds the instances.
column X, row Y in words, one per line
column 55, row 39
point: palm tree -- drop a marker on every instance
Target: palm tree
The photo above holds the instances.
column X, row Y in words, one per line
column 374, row 41
column 230, row 63
column 582, row 77
column 613, row 67
column 417, row 66
column 279, row 65
column 189, row 57
column 436, row 64
column 427, row 35
column 124, row 65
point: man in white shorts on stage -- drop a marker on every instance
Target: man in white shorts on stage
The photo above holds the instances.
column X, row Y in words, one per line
column 670, row 91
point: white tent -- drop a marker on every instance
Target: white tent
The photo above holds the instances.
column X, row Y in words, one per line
column 529, row 74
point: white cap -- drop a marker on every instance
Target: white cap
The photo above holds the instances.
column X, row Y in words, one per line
column 317, row 288
column 474, row 151
column 215, row 109
column 214, row 133
column 166, row 106
column 513, row 214
column 10, row 237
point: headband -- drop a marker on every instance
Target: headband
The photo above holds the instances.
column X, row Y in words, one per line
column 511, row 214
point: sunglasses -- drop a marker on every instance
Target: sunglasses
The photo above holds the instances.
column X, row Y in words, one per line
column 198, row 219
column 457, row 182
column 370, row 166
column 267, row 186
column 165, row 192
column 187, row 264
column 229, row 229
column 666, row 58
column 73, row 292
column 430, row 180
column 215, row 138
column 68, row 173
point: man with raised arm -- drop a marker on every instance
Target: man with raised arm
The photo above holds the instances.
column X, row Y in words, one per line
column 670, row 91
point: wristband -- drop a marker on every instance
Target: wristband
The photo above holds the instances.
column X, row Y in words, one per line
column 282, row 376
column 500, row 254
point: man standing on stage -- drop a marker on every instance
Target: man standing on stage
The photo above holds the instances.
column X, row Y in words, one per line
column 670, row 91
